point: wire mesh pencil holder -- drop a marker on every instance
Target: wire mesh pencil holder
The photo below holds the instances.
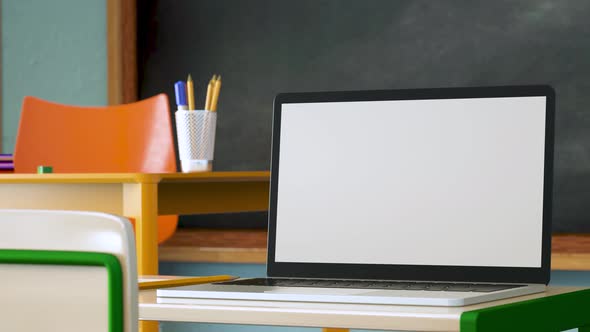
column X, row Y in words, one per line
column 195, row 131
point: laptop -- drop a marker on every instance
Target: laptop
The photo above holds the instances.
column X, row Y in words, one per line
column 406, row 197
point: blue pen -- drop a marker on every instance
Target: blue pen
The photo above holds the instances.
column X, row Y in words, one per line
column 180, row 91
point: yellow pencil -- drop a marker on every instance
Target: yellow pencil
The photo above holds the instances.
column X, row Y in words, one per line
column 215, row 96
column 190, row 92
column 182, row 281
column 209, row 92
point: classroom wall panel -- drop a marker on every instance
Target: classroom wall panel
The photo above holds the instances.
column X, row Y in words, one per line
column 54, row 50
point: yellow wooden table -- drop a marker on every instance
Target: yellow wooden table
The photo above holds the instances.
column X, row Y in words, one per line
column 139, row 196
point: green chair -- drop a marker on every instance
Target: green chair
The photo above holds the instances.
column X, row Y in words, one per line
column 67, row 271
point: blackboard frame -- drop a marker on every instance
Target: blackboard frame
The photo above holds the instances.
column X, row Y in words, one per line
column 523, row 275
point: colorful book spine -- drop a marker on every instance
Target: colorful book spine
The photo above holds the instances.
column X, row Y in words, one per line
column 6, row 162
column 6, row 157
column 6, row 166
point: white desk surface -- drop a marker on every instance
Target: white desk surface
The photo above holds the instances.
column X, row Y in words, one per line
column 305, row 314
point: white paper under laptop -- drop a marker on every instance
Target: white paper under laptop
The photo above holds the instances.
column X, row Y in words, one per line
column 422, row 197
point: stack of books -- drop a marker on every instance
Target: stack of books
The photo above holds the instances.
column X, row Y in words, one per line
column 6, row 163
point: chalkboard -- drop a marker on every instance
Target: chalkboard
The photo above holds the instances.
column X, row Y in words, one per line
column 262, row 47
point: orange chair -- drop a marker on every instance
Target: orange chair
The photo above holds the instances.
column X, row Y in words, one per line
column 131, row 138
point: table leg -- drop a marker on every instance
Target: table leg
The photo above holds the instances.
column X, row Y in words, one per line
column 140, row 201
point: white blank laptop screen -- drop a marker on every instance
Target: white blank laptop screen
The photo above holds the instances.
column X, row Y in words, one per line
column 455, row 182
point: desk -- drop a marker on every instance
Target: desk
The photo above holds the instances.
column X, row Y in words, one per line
column 558, row 309
column 140, row 196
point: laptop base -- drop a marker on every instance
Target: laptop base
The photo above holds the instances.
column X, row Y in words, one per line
column 338, row 295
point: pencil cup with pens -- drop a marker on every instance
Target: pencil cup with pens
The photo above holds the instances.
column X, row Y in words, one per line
column 195, row 129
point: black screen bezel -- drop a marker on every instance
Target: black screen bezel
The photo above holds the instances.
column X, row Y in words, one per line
column 416, row 272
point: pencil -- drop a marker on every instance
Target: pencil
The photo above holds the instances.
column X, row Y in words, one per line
column 182, row 281
column 209, row 92
column 190, row 92
column 215, row 95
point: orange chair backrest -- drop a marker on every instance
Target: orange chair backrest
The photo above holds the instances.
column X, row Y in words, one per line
column 130, row 138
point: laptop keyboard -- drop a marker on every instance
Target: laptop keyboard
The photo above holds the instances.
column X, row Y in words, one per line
column 366, row 284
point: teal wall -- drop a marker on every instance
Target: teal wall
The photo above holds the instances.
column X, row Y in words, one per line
column 54, row 50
